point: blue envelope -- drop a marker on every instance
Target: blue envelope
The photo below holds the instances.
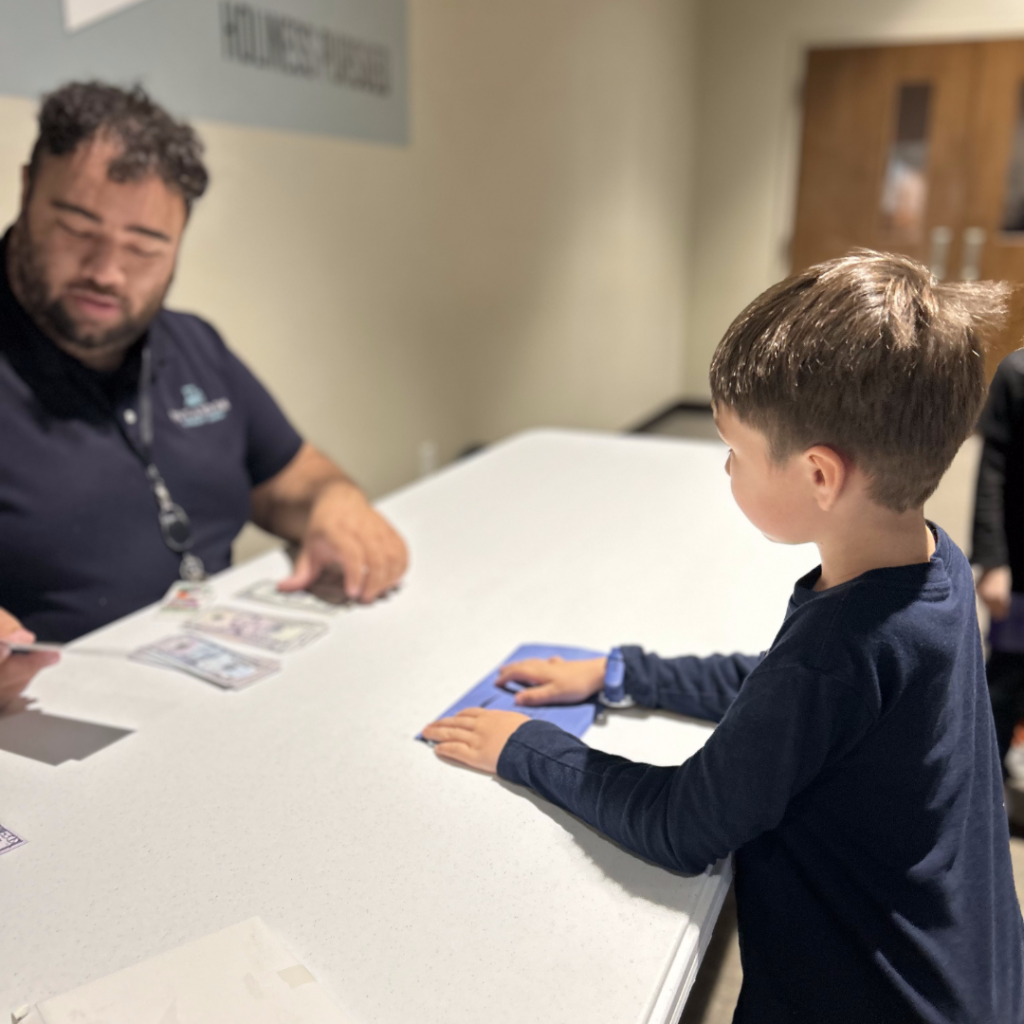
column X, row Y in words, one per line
column 574, row 718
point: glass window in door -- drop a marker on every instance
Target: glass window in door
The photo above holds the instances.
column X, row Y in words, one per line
column 1013, row 206
column 905, row 187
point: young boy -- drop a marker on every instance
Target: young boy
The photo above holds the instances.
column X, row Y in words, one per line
column 853, row 771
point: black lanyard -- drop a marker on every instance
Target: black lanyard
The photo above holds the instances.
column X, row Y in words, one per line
column 175, row 526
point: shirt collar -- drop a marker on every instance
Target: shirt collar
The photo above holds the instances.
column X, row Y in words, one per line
column 931, row 574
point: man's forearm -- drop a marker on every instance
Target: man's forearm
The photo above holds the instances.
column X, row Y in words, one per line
column 282, row 505
column 312, row 503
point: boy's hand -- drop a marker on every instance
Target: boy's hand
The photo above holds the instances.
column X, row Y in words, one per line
column 555, row 680
column 994, row 590
column 474, row 737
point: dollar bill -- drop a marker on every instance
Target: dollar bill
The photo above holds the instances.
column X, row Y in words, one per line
column 8, row 840
column 266, row 592
column 208, row 660
column 267, row 631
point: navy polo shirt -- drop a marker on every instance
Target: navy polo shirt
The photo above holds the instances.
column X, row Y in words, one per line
column 80, row 544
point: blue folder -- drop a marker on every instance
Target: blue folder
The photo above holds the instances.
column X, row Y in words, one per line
column 574, row 718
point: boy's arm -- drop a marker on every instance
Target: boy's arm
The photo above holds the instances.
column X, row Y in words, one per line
column 698, row 687
column 779, row 734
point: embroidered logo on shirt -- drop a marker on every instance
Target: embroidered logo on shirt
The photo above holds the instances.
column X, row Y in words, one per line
column 198, row 410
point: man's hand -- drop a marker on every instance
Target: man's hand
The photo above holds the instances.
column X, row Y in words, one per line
column 555, row 680
column 344, row 532
column 313, row 504
column 17, row 670
column 474, row 737
column 994, row 590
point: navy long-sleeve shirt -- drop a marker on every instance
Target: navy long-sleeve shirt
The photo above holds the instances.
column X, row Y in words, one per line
column 854, row 774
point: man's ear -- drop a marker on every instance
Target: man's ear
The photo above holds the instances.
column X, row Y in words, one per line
column 829, row 473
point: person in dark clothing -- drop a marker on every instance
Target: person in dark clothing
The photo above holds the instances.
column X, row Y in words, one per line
column 135, row 445
column 853, row 771
column 998, row 543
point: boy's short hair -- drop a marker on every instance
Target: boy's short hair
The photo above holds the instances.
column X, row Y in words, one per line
column 152, row 141
column 867, row 354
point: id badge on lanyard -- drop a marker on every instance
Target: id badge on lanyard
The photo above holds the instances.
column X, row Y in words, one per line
column 175, row 525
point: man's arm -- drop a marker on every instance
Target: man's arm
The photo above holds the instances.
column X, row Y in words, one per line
column 989, row 547
column 311, row 502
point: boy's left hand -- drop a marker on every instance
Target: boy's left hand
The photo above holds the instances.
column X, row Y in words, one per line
column 474, row 737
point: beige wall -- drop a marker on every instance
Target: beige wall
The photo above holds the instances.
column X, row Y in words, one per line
column 521, row 262
column 563, row 264
column 748, row 131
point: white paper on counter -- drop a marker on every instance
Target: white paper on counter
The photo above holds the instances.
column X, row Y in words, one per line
column 240, row 974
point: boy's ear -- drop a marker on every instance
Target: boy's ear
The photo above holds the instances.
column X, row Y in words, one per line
column 828, row 474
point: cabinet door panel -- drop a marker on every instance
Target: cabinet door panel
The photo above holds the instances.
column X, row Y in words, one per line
column 994, row 170
column 885, row 142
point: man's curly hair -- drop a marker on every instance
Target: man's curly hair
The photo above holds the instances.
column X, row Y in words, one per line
column 151, row 141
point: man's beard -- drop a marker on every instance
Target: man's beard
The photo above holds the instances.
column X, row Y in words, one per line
column 28, row 275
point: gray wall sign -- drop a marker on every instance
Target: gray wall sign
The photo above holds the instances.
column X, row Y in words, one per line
column 334, row 67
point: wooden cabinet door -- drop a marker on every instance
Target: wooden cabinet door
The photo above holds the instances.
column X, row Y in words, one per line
column 862, row 108
column 992, row 230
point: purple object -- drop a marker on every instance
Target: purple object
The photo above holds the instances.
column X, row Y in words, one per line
column 1008, row 635
column 573, row 718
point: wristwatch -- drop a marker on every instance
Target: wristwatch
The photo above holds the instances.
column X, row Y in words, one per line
column 614, row 695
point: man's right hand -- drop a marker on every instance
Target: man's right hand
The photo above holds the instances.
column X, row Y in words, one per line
column 994, row 589
column 554, row 680
column 18, row 670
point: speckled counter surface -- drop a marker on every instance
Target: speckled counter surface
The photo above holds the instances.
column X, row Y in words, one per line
column 415, row 891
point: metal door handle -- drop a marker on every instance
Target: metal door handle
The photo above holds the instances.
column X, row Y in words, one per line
column 940, row 239
column 974, row 242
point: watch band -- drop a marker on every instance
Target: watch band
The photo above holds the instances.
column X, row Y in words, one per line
column 614, row 693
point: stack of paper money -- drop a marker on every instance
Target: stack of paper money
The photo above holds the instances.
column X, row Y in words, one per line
column 224, row 666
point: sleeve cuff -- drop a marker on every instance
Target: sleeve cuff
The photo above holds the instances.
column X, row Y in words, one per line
column 535, row 736
column 282, row 458
column 987, row 562
column 639, row 681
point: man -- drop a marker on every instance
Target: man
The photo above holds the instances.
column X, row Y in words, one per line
column 135, row 444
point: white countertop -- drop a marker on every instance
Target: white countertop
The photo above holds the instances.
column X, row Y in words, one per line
column 414, row 891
